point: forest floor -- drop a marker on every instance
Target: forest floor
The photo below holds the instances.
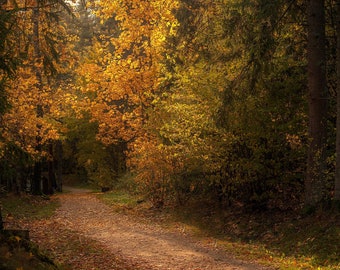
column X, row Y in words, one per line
column 85, row 233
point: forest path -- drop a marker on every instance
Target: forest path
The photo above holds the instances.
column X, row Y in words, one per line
column 141, row 245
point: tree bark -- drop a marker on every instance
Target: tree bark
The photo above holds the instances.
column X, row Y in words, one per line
column 337, row 168
column 317, row 100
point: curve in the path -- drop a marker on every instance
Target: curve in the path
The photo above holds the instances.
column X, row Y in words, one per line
column 84, row 213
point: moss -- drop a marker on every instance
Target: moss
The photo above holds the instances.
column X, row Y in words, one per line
column 27, row 206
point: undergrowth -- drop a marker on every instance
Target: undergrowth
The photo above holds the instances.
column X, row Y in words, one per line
column 284, row 239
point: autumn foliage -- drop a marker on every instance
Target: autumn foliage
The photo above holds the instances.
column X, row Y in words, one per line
column 197, row 99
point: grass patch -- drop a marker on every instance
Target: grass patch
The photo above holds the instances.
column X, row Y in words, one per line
column 119, row 200
column 28, row 207
column 312, row 241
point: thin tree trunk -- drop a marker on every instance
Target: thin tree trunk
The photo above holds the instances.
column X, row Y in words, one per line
column 36, row 183
column 51, row 184
column 337, row 168
column 59, row 165
column 1, row 221
column 314, row 185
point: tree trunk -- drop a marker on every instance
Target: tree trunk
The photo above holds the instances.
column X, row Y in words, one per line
column 51, row 186
column 59, row 165
column 317, row 100
column 1, row 221
column 337, row 168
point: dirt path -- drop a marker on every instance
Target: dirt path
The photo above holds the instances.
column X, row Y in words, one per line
column 146, row 246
